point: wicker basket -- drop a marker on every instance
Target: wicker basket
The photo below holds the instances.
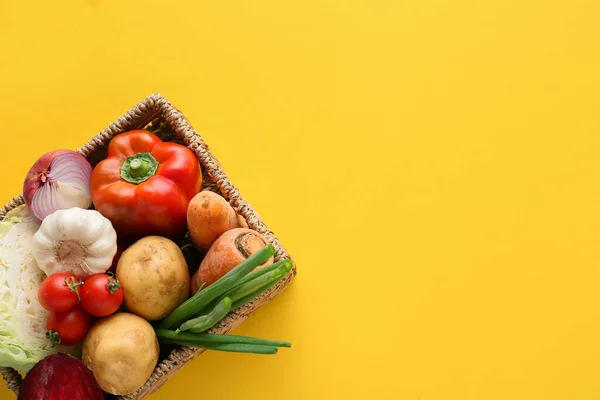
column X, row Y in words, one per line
column 158, row 115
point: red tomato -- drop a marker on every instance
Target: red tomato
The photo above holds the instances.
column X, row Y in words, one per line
column 58, row 292
column 69, row 327
column 101, row 295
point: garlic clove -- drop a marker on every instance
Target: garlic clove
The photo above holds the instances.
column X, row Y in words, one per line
column 93, row 224
column 104, row 247
column 97, row 264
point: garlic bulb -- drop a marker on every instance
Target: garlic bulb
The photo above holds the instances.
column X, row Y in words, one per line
column 75, row 240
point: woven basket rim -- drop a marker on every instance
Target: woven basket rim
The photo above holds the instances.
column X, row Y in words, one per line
column 138, row 117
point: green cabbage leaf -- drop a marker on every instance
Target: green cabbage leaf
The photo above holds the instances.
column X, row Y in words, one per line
column 22, row 319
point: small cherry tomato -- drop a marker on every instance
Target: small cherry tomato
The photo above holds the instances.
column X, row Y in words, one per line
column 101, row 295
column 59, row 292
column 69, row 327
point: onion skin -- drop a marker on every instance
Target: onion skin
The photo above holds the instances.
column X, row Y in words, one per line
column 33, row 180
column 60, row 377
column 58, row 180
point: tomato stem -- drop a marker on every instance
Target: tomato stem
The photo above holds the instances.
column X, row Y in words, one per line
column 54, row 337
column 71, row 284
column 113, row 285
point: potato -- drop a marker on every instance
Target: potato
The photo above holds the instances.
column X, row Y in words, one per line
column 122, row 351
column 154, row 277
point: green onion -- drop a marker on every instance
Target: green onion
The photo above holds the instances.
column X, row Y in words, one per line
column 242, row 294
column 205, row 322
column 165, row 335
column 255, row 291
column 194, row 305
column 251, row 290
column 229, row 347
column 261, row 271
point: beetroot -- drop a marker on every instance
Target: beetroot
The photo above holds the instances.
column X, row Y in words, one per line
column 60, row 377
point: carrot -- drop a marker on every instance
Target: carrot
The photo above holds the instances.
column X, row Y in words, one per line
column 209, row 216
column 229, row 250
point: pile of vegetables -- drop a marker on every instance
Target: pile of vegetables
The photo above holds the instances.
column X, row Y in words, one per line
column 90, row 267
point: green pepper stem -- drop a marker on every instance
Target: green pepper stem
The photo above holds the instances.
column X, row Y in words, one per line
column 139, row 168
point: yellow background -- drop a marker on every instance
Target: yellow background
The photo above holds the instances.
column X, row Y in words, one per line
column 432, row 167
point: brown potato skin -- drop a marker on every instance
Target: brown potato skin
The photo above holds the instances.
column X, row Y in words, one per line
column 154, row 276
column 122, row 351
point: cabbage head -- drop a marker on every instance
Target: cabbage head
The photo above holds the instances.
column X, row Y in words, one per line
column 22, row 319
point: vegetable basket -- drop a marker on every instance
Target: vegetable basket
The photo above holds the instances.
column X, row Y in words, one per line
column 156, row 114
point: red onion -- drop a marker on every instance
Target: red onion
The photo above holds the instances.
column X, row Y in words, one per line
column 59, row 180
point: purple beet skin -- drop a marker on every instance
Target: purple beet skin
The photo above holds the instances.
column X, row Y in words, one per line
column 60, row 377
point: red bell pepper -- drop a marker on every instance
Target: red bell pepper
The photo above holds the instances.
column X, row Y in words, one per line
column 144, row 185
